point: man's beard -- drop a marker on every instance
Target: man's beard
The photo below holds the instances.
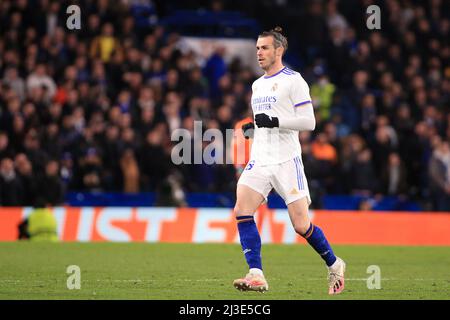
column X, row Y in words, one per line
column 269, row 65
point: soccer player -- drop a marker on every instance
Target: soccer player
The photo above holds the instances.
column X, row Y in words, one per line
column 282, row 107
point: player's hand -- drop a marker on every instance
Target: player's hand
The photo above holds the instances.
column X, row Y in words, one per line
column 247, row 130
column 262, row 120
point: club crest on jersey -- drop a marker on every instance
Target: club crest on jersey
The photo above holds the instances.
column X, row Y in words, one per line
column 274, row 87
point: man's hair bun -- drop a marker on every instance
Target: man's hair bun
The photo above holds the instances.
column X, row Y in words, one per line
column 278, row 29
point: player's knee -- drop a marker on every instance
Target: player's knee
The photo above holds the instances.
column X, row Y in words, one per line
column 240, row 210
column 237, row 212
column 301, row 227
column 245, row 207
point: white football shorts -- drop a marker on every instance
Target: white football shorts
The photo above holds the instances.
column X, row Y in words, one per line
column 287, row 178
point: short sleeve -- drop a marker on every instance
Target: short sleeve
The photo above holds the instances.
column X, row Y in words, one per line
column 300, row 92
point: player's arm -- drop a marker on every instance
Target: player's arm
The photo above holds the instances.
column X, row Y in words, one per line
column 302, row 121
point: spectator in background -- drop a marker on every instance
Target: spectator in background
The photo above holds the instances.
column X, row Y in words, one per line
column 200, row 109
column 439, row 170
column 337, row 50
column 105, row 44
column 322, row 94
column 383, row 145
column 40, row 79
column 153, row 160
column 32, row 149
column 9, row 114
column 11, row 188
column 15, row 82
column 50, row 142
column 224, row 117
column 335, row 20
column 363, row 179
column 51, row 188
column 322, row 150
column 214, row 69
column 171, row 110
column 111, row 152
column 312, row 28
column 198, row 86
column 326, row 156
column 28, row 179
column 90, row 172
column 360, row 86
column 130, row 171
column 66, row 171
column 5, row 149
column 368, row 114
column 17, row 133
column 172, row 82
column 394, row 176
column 147, row 99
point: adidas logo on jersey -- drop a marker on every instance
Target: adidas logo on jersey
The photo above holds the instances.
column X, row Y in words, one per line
column 294, row 191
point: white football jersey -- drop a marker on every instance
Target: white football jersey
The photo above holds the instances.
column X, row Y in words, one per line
column 280, row 95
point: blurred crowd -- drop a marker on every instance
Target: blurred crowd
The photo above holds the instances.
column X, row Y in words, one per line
column 93, row 109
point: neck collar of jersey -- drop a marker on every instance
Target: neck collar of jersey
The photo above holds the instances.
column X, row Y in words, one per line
column 267, row 77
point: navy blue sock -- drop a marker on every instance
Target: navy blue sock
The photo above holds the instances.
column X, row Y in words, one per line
column 250, row 241
column 317, row 240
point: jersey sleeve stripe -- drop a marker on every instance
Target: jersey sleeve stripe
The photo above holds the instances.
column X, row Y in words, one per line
column 302, row 103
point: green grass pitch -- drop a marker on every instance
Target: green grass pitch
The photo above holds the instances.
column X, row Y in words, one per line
column 206, row 271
